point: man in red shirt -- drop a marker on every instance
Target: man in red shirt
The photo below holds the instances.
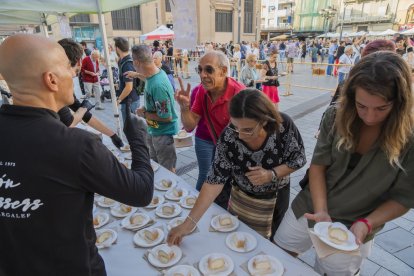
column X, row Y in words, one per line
column 211, row 102
column 90, row 77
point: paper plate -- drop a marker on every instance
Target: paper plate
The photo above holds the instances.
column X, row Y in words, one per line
column 141, row 241
column 215, row 223
column 103, row 219
column 155, row 262
column 170, row 194
column 182, row 270
column 228, row 268
column 321, row 230
column 126, row 222
column 177, row 210
column 107, row 242
column 160, row 201
column 250, row 244
column 160, row 186
column 101, row 202
column 116, row 211
column 187, row 134
column 276, row 268
column 184, row 204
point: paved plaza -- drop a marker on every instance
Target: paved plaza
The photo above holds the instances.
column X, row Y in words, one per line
column 393, row 252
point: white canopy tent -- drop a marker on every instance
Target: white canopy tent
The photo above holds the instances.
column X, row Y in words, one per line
column 160, row 33
column 26, row 12
column 388, row 32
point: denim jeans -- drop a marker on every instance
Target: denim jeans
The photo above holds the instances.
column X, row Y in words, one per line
column 342, row 77
column 204, row 151
column 134, row 106
column 331, row 60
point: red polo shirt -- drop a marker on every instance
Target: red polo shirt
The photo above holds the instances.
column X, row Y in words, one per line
column 218, row 111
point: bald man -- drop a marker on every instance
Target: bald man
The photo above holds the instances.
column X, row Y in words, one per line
column 48, row 172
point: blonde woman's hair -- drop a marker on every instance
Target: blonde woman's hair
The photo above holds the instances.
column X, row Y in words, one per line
column 384, row 74
column 250, row 57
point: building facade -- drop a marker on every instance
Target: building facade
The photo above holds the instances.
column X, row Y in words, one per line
column 218, row 21
column 308, row 18
column 368, row 15
column 405, row 15
column 276, row 17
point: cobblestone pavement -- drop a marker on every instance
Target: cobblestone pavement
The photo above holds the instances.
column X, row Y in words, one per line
column 393, row 252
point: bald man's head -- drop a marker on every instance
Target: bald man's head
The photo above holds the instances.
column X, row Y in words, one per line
column 37, row 71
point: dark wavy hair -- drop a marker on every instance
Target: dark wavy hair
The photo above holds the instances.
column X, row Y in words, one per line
column 72, row 49
column 386, row 75
column 252, row 104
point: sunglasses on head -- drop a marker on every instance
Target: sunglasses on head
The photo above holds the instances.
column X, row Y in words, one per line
column 208, row 69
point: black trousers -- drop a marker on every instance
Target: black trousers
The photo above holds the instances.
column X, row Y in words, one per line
column 282, row 204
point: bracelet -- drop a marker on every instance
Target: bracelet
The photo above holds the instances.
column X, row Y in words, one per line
column 366, row 222
column 192, row 220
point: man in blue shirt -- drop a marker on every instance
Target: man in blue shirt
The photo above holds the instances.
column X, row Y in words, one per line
column 331, row 57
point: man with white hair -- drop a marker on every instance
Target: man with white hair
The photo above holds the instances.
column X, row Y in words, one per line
column 345, row 61
column 90, row 77
column 211, row 103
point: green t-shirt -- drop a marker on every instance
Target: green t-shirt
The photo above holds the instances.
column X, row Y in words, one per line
column 159, row 99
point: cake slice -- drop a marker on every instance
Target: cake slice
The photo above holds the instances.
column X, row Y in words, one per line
column 190, row 201
column 150, row 236
column 262, row 265
column 216, row 264
column 103, row 237
column 337, row 235
column 225, row 221
column 168, row 210
column 165, row 257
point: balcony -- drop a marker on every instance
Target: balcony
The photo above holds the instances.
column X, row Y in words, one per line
column 278, row 27
column 283, row 13
column 366, row 19
column 286, row 2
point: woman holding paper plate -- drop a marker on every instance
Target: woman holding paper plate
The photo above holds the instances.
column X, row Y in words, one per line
column 255, row 154
column 362, row 170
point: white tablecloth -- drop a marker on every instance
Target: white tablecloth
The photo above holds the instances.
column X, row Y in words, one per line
column 123, row 258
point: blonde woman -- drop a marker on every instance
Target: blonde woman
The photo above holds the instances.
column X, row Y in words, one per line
column 249, row 75
column 362, row 170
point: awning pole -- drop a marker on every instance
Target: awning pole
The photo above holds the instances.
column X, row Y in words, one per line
column 111, row 77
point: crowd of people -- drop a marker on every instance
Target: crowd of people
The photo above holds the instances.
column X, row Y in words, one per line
column 361, row 172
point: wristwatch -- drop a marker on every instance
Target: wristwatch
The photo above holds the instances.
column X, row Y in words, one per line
column 274, row 176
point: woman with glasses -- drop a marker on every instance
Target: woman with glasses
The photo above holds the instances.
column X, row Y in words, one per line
column 362, row 169
column 255, row 154
column 249, row 75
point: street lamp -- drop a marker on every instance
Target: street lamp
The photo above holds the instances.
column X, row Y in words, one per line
column 327, row 14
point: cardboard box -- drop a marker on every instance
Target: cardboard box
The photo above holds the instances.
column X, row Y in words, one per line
column 183, row 142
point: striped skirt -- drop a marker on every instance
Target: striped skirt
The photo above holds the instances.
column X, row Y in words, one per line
column 256, row 213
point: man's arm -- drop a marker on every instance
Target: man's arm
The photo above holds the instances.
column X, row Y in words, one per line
column 125, row 92
column 99, row 126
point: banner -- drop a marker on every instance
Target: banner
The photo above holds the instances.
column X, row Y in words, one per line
column 65, row 30
column 185, row 23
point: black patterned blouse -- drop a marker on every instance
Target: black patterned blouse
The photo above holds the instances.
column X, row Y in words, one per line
column 233, row 157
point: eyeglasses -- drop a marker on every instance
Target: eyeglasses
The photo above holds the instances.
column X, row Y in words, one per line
column 249, row 133
column 253, row 61
column 208, row 69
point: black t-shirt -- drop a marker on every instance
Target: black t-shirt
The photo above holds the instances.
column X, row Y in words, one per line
column 66, row 116
column 50, row 173
column 126, row 66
